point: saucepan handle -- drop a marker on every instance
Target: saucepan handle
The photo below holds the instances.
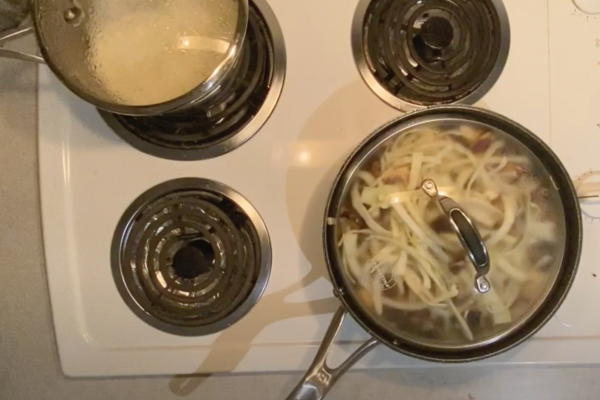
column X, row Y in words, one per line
column 13, row 34
column 320, row 378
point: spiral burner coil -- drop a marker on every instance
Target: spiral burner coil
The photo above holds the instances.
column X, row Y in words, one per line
column 415, row 53
column 191, row 256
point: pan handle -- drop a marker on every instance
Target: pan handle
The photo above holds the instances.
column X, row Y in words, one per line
column 13, row 34
column 320, row 377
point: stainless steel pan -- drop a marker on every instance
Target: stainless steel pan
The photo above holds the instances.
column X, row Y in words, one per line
column 320, row 377
column 64, row 30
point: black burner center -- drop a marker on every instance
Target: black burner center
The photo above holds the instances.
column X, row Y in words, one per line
column 437, row 33
column 194, row 259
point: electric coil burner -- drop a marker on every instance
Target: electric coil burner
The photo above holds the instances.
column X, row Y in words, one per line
column 415, row 53
column 191, row 257
column 231, row 116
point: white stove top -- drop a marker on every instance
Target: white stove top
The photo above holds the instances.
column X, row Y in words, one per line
column 89, row 176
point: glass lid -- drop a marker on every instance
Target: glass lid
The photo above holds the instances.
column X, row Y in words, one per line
column 451, row 231
column 139, row 52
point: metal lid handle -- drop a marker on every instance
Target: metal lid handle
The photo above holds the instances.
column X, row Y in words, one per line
column 467, row 234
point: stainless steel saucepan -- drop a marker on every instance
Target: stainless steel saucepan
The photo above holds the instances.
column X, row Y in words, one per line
column 137, row 57
column 451, row 234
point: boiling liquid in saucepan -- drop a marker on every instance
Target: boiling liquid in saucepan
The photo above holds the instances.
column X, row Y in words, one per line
column 145, row 53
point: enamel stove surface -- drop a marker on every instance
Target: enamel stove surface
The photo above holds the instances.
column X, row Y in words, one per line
column 90, row 176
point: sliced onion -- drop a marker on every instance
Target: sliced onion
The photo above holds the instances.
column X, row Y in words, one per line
column 362, row 211
column 366, row 177
column 517, row 274
column 415, row 170
column 417, row 231
column 461, row 321
column 376, row 288
column 507, row 223
column 407, row 306
column 351, row 257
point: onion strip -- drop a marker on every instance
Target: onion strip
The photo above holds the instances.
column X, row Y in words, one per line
column 362, row 211
column 417, row 231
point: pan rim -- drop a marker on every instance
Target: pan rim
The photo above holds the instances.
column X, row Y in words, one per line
column 546, row 309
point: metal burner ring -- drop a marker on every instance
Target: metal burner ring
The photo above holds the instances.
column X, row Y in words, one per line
column 191, row 257
column 406, row 104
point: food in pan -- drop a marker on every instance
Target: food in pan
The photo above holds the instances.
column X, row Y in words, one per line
column 158, row 52
column 404, row 260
